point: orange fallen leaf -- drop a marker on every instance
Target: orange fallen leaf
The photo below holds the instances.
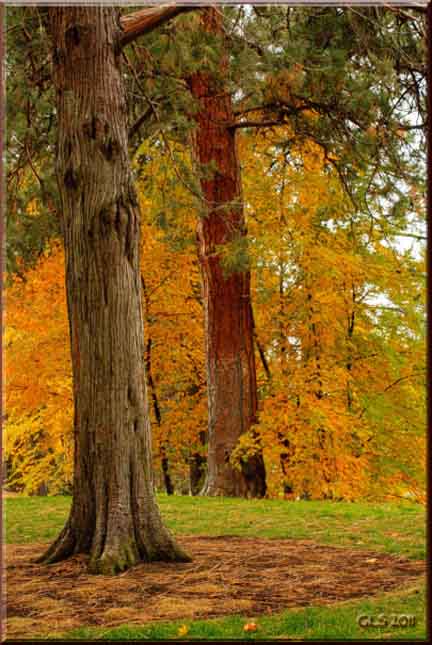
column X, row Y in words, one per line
column 250, row 627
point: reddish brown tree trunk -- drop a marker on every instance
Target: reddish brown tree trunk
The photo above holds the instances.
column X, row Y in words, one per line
column 114, row 515
column 232, row 390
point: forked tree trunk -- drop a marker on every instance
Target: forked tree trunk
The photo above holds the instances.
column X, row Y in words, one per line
column 114, row 515
column 232, row 390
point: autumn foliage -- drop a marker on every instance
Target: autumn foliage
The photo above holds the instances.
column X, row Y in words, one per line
column 39, row 380
column 339, row 335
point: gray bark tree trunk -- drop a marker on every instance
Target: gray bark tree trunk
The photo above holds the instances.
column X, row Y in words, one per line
column 114, row 515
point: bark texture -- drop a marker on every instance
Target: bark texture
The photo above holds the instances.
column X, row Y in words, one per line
column 114, row 515
column 232, row 390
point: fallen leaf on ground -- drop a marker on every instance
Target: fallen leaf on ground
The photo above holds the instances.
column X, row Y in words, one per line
column 250, row 627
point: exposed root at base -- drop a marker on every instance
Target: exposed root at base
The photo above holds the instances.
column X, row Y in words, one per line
column 115, row 560
column 61, row 549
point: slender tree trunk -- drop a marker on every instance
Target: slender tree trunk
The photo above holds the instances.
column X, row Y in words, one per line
column 284, row 455
column 114, row 515
column 283, row 340
column 349, row 365
column 156, row 409
column 196, row 472
column 197, row 467
column 324, row 438
column 154, row 397
column 232, row 390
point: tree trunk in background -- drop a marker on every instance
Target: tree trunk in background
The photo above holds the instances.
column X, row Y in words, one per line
column 197, row 467
column 232, row 389
column 156, row 409
column 324, row 437
column 154, row 397
column 114, row 515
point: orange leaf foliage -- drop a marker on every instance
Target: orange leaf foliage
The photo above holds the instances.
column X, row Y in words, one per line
column 339, row 322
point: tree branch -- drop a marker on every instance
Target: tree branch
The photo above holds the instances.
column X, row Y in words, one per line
column 404, row 14
column 257, row 124
column 262, row 357
column 142, row 22
column 138, row 123
column 403, row 378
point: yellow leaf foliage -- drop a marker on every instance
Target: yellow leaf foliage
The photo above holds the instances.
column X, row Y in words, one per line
column 339, row 322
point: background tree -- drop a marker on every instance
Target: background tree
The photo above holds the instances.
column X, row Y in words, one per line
column 32, row 202
column 331, row 311
column 231, row 372
column 174, row 316
column 39, row 439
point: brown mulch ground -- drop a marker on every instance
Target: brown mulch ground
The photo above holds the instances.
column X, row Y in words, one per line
column 229, row 575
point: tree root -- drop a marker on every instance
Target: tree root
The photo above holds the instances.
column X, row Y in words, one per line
column 115, row 559
column 61, row 549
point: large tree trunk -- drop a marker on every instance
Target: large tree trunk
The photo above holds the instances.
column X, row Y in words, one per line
column 114, row 515
column 232, row 390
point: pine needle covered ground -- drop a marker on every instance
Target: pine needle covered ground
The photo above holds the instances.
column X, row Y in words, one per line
column 281, row 569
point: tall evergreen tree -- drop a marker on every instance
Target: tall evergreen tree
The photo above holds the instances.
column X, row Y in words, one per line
column 231, row 372
column 114, row 515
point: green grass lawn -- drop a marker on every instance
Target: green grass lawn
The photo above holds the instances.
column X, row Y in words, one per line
column 392, row 528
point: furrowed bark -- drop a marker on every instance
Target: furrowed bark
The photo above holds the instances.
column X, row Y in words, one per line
column 232, row 390
column 114, row 516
